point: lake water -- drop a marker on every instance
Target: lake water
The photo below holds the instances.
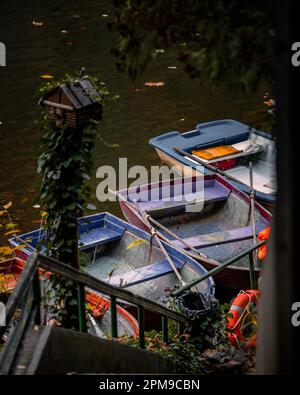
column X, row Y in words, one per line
column 140, row 113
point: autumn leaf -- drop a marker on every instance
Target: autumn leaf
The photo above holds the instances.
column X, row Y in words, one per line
column 37, row 23
column 151, row 83
column 12, row 232
column 7, row 206
column 47, row 77
column 1, row 213
column 135, row 243
column 44, row 214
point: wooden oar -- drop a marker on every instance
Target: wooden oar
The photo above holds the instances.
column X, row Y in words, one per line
column 157, row 239
column 207, row 165
column 252, row 202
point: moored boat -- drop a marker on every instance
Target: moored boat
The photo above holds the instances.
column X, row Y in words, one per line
column 220, row 228
column 228, row 145
column 126, row 256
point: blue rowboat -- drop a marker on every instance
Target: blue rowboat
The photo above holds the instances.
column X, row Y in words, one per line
column 220, row 229
column 122, row 255
column 242, row 144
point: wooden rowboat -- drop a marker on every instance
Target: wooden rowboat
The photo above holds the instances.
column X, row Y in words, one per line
column 219, row 229
column 228, row 145
column 125, row 256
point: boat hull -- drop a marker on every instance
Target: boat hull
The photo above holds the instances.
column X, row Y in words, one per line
column 219, row 133
column 234, row 276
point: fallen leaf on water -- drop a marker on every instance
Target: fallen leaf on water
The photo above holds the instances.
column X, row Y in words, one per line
column 7, row 206
column 36, row 206
column 44, row 214
column 47, row 77
column 37, row 23
column 64, row 32
column 151, row 83
column 24, row 200
column 172, row 67
column 76, row 16
column 104, row 15
column 160, row 50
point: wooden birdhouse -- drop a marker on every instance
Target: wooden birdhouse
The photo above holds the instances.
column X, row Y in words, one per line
column 73, row 104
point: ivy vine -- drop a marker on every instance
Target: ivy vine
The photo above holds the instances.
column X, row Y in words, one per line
column 65, row 164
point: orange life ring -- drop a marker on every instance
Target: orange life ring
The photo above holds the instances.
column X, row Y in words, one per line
column 237, row 313
column 263, row 235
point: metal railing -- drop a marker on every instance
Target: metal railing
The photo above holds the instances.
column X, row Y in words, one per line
column 26, row 299
column 223, row 266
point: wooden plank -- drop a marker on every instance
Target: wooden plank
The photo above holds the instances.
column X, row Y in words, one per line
column 210, row 195
column 217, row 238
column 143, row 274
column 57, row 267
column 98, row 236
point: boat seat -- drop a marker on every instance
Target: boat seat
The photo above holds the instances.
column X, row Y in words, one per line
column 99, row 236
column 217, row 238
column 143, row 274
column 215, row 193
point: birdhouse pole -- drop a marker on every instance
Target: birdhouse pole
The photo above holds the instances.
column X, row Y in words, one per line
column 70, row 108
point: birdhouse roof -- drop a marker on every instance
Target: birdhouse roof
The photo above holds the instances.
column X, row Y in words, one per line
column 81, row 92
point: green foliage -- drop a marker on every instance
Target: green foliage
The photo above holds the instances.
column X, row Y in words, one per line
column 65, row 163
column 189, row 351
column 218, row 41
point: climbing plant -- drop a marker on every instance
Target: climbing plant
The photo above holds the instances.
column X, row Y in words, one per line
column 65, row 163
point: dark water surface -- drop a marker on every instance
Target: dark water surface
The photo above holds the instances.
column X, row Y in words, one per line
column 140, row 113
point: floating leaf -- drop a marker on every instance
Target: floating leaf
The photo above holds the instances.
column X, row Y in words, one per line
column 151, row 83
column 64, row 32
column 135, row 243
column 47, row 77
column 7, row 206
column 36, row 206
column 44, row 214
column 1, row 213
column 37, row 23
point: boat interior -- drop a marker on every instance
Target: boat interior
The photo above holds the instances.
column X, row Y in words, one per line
column 256, row 148
column 134, row 263
column 220, row 228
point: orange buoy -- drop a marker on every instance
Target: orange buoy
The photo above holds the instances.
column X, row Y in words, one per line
column 239, row 310
column 263, row 235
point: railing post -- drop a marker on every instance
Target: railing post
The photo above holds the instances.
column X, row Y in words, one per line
column 36, row 289
column 165, row 329
column 252, row 271
column 114, row 319
column 141, row 318
column 81, row 309
column 181, row 328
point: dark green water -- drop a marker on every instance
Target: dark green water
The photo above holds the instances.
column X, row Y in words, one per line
column 140, row 113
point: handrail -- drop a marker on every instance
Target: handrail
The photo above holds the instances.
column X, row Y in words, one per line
column 21, row 289
column 97, row 285
column 30, row 306
column 220, row 268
